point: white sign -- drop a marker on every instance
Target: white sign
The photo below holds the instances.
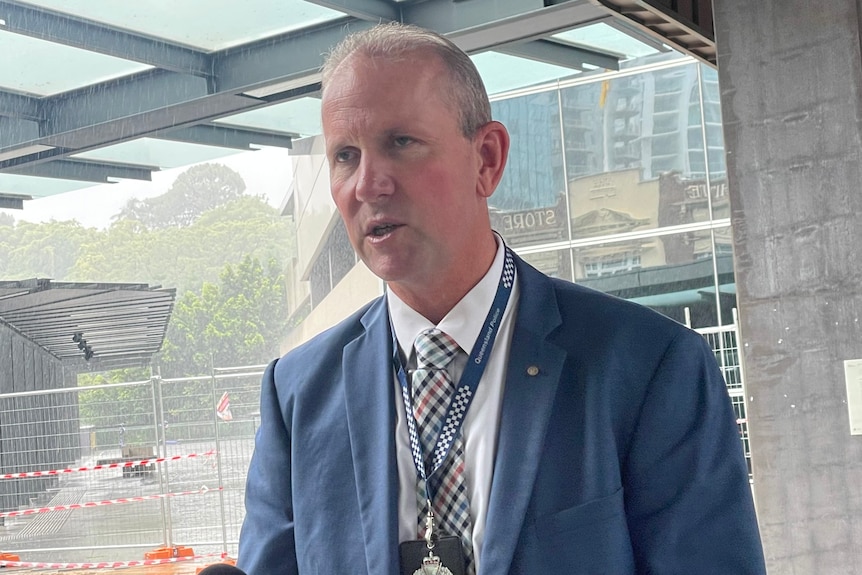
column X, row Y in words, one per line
column 853, row 379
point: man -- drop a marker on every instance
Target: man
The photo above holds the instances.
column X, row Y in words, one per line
column 591, row 436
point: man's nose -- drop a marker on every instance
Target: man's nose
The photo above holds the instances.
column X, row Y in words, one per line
column 373, row 179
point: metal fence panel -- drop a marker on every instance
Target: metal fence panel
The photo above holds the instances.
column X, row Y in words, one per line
column 109, row 472
column 724, row 341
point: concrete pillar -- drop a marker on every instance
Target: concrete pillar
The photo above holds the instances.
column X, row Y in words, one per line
column 791, row 92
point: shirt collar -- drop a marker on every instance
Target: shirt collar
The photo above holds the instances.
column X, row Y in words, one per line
column 463, row 322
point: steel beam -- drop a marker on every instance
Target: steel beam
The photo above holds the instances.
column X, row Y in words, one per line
column 14, row 131
column 289, row 58
column 561, row 54
column 372, row 10
column 84, row 170
column 447, row 16
column 226, row 137
column 278, row 68
column 14, row 105
column 154, row 101
column 13, row 202
column 478, row 35
column 79, row 33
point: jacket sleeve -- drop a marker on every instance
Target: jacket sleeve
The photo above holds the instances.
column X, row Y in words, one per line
column 266, row 543
column 688, row 500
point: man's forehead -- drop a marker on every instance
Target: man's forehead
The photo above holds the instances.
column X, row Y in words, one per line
column 370, row 82
column 360, row 63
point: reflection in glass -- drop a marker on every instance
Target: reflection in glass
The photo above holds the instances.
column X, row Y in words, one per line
column 716, row 162
column 599, row 163
column 630, row 143
column 529, row 204
column 336, row 259
column 555, row 263
column 341, row 252
column 672, row 274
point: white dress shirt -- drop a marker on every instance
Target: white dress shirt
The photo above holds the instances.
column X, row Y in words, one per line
column 463, row 323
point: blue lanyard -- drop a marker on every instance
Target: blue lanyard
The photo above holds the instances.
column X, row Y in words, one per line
column 468, row 383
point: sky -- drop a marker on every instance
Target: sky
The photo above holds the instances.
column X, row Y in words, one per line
column 266, row 171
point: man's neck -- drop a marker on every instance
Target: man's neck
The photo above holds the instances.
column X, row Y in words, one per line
column 433, row 300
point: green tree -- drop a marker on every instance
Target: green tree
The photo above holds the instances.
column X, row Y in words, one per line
column 185, row 258
column 238, row 321
column 195, row 191
column 45, row 250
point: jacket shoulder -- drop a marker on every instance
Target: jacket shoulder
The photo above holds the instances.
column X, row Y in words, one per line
column 327, row 346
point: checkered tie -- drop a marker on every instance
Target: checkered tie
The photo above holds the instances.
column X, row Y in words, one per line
column 432, row 392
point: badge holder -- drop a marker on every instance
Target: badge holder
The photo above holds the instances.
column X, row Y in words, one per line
column 435, row 555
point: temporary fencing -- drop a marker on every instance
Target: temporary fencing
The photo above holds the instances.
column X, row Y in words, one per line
column 126, row 474
column 724, row 341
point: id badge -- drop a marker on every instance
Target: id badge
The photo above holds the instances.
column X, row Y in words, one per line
column 446, row 558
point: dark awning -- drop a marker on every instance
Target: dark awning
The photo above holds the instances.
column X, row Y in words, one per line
column 122, row 325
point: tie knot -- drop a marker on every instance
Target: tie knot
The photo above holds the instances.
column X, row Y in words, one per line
column 434, row 349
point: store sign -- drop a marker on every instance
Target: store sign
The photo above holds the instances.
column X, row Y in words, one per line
column 519, row 227
column 528, row 221
column 698, row 191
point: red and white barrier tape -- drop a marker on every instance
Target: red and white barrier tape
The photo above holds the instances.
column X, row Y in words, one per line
column 104, row 466
column 105, row 564
column 89, row 504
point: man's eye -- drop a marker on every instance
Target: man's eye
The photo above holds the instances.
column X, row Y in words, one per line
column 344, row 156
column 401, row 141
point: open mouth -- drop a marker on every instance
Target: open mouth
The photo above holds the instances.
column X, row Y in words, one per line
column 382, row 230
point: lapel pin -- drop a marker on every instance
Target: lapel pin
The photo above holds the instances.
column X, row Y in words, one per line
column 533, row 371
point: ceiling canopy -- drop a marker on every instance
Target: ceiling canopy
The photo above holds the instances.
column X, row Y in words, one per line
column 93, row 91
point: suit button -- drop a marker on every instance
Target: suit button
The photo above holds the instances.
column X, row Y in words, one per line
column 533, row 371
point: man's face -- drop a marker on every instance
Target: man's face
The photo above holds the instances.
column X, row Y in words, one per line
column 404, row 178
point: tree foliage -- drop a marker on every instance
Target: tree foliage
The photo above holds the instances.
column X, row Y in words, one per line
column 185, row 258
column 238, row 321
column 48, row 250
column 197, row 190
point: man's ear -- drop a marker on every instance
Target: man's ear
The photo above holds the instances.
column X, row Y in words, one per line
column 492, row 144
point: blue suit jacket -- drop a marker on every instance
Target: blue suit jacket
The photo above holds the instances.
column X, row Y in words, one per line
column 620, row 456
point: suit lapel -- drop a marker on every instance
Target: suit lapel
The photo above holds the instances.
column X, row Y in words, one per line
column 532, row 377
column 369, row 400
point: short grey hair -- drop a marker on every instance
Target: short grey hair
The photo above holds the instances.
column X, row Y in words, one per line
column 394, row 41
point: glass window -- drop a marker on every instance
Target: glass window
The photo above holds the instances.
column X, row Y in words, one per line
column 555, row 263
column 672, row 274
column 341, row 252
column 606, row 38
column 630, row 144
column 529, row 204
column 335, row 260
column 320, row 278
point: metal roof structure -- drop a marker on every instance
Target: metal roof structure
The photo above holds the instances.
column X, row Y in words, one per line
column 98, row 325
column 92, row 91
